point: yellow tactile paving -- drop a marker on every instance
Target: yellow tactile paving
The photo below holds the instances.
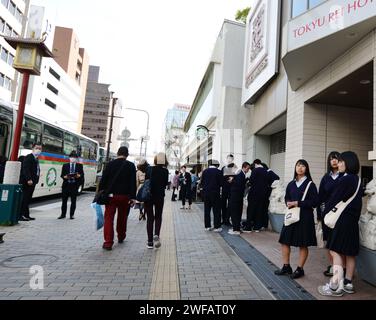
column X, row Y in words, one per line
column 165, row 283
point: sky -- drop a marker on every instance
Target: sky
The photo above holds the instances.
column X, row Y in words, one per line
column 153, row 52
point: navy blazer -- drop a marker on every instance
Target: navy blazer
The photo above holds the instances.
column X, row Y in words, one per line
column 238, row 187
column 211, row 180
column 259, row 184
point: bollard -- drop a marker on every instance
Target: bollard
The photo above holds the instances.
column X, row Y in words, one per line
column 1, row 237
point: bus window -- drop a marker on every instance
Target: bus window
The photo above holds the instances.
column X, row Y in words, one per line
column 85, row 149
column 71, row 143
column 52, row 140
column 3, row 138
column 31, row 133
column 93, row 151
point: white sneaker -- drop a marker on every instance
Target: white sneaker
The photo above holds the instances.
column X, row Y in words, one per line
column 209, row 229
column 218, row 230
column 150, row 245
column 234, row 233
column 328, row 292
column 349, row 288
column 157, row 242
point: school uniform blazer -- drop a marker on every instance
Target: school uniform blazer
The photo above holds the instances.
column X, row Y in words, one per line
column 211, row 181
column 259, row 184
column 238, row 187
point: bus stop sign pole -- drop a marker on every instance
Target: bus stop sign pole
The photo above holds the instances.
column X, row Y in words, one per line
column 20, row 117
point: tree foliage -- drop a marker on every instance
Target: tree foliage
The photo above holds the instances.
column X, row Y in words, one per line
column 241, row 15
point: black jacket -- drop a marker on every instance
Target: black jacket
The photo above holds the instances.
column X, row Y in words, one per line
column 185, row 180
column 75, row 182
column 259, row 184
column 211, row 180
column 238, row 187
column 159, row 181
column 125, row 183
column 30, row 170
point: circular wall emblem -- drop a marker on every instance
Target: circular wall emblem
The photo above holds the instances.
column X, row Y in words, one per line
column 51, row 177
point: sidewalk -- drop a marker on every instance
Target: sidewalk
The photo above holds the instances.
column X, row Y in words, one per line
column 266, row 242
column 192, row 263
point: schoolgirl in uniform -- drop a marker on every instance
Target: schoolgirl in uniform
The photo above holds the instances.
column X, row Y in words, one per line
column 301, row 234
column 343, row 241
column 327, row 186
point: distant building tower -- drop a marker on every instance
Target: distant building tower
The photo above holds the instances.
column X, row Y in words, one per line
column 174, row 133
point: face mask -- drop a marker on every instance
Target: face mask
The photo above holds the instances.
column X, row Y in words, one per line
column 73, row 160
column 37, row 152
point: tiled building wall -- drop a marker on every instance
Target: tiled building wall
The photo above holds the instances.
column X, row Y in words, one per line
column 298, row 142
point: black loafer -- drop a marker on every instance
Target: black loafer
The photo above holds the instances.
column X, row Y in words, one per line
column 61, row 218
column 284, row 271
column 299, row 273
column 31, row 219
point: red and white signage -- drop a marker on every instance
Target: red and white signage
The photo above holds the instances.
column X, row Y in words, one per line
column 328, row 18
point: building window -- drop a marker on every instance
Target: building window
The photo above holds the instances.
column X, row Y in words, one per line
column 19, row 16
column 50, row 103
column 10, row 59
column 54, row 73
column 78, row 78
column 301, row 6
column 7, row 83
column 52, row 88
column 8, row 30
column 4, row 55
column 2, row 25
column 278, row 143
column 2, row 78
column 12, row 8
column 5, row 3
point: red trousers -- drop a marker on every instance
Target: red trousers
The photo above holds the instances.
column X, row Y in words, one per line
column 121, row 204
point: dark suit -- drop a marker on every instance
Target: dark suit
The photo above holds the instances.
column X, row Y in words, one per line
column 70, row 186
column 186, row 188
column 237, row 200
column 211, row 181
column 30, row 172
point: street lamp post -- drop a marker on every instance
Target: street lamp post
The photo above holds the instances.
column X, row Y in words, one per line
column 147, row 130
column 114, row 100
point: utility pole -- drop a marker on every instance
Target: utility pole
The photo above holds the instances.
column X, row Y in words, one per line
column 112, row 116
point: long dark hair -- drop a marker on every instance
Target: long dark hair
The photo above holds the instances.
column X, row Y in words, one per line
column 307, row 173
column 331, row 156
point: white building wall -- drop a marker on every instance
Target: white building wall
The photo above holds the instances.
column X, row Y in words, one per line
column 6, row 69
column 362, row 53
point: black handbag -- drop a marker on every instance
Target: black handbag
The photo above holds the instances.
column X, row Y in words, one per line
column 103, row 196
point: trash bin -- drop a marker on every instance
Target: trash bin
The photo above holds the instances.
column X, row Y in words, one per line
column 10, row 204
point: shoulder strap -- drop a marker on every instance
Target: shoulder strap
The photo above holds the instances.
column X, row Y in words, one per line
column 116, row 176
column 356, row 192
column 306, row 190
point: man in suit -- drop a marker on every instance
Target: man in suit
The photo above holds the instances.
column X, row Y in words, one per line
column 237, row 198
column 211, row 181
column 30, row 174
column 186, row 187
column 73, row 175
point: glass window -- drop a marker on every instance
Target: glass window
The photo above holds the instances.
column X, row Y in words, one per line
column 4, row 55
column 52, row 140
column 19, row 16
column 298, row 7
column 71, row 143
column 12, row 8
column 31, row 133
column 2, row 25
column 314, row 3
column 8, row 30
column 2, row 78
column 10, row 59
column 7, row 83
column 5, row 3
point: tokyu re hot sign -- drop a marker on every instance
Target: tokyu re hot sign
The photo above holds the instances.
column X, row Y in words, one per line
column 328, row 18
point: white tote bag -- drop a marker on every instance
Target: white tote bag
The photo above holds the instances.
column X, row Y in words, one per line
column 332, row 217
column 293, row 215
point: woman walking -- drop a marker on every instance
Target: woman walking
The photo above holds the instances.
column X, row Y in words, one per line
column 302, row 233
column 327, row 187
column 158, row 176
column 140, row 179
column 343, row 241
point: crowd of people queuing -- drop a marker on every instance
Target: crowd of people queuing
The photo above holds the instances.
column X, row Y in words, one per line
column 223, row 191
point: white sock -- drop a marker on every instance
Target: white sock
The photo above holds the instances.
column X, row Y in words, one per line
column 337, row 277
